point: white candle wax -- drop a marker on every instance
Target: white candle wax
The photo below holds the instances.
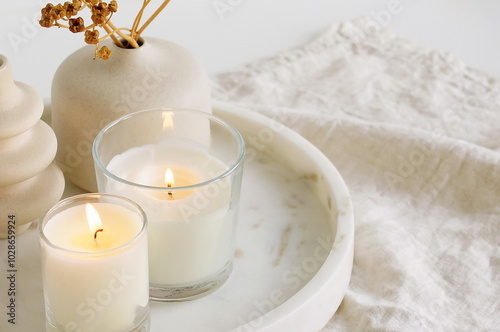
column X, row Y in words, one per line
column 190, row 231
column 95, row 284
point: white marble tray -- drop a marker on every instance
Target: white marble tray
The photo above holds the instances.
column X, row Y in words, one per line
column 294, row 244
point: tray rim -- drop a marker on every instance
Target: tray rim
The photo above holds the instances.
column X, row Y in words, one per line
column 327, row 288
column 311, row 307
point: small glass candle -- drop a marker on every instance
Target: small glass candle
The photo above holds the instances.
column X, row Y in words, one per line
column 94, row 265
column 184, row 169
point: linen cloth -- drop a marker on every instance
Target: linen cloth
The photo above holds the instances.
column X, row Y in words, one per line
column 416, row 135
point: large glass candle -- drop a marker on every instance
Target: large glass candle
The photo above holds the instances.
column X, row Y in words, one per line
column 184, row 169
column 94, row 265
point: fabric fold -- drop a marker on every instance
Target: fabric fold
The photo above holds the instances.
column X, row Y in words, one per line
column 415, row 134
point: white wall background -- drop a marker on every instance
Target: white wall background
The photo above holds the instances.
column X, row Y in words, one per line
column 245, row 30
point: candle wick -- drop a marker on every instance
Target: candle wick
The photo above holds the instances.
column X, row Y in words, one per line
column 170, row 194
column 95, row 234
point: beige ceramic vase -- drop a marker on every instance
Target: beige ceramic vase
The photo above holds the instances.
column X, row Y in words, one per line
column 30, row 183
column 87, row 94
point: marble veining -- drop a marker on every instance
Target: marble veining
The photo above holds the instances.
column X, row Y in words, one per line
column 276, row 243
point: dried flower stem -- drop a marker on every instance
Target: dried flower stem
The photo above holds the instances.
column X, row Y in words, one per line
column 158, row 11
column 138, row 18
column 111, row 34
column 101, row 13
column 131, row 41
column 62, row 26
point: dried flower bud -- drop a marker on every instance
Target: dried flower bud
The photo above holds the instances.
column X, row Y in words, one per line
column 101, row 8
column 113, row 6
column 76, row 25
column 46, row 22
column 92, row 37
column 70, row 9
column 98, row 19
column 101, row 12
column 58, row 12
column 104, row 53
column 47, row 9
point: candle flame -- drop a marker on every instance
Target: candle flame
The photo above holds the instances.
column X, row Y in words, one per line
column 169, row 178
column 169, row 181
column 93, row 218
column 168, row 121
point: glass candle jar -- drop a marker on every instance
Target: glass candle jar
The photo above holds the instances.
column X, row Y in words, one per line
column 94, row 251
column 184, row 168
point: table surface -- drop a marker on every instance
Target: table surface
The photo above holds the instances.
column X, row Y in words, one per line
column 228, row 33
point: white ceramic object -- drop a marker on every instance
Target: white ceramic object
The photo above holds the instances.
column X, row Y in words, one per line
column 26, row 154
column 20, row 105
column 29, row 182
column 295, row 239
column 31, row 198
column 87, row 94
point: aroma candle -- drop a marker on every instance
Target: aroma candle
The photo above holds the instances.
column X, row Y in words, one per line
column 94, row 264
column 184, row 170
